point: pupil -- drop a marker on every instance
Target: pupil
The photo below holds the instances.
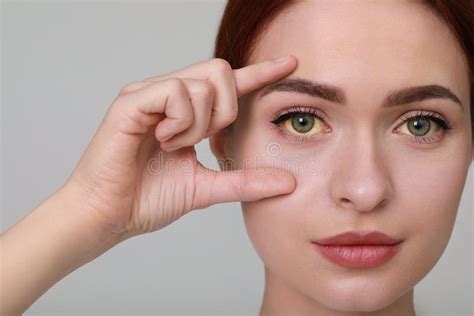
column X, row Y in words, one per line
column 302, row 123
column 420, row 126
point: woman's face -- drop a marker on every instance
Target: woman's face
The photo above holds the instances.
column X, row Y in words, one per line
column 354, row 170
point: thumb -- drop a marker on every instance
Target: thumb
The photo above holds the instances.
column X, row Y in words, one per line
column 244, row 184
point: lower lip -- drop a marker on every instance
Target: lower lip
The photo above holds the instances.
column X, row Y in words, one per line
column 358, row 256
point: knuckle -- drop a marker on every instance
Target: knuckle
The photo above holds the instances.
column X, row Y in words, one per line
column 130, row 87
column 203, row 91
column 119, row 114
column 219, row 125
column 207, row 90
column 229, row 117
column 187, row 120
column 220, row 65
column 176, row 85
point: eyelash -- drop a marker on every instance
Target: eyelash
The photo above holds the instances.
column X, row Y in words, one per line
column 442, row 122
column 289, row 113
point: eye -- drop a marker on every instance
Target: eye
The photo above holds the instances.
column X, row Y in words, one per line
column 301, row 122
column 424, row 127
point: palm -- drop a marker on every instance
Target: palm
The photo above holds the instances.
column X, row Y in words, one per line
column 135, row 187
column 165, row 188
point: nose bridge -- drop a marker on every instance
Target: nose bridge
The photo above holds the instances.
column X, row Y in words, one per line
column 362, row 181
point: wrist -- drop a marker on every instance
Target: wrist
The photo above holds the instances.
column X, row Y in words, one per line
column 58, row 236
column 70, row 199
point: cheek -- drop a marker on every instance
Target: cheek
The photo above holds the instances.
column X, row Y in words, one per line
column 281, row 227
column 274, row 226
column 427, row 187
column 429, row 191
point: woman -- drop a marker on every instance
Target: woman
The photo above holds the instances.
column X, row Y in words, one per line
column 365, row 114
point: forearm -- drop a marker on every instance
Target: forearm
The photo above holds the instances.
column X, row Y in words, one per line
column 53, row 240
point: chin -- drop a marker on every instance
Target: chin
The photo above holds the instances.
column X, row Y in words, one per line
column 358, row 297
column 360, row 290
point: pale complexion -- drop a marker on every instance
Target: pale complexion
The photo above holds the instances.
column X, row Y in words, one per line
column 127, row 183
column 358, row 175
column 355, row 172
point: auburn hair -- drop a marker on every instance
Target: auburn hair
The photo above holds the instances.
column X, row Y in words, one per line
column 244, row 21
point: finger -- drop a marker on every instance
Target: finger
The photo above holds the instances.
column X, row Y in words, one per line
column 169, row 97
column 130, row 87
column 257, row 75
column 218, row 72
column 230, row 84
column 241, row 185
column 201, row 94
column 247, row 78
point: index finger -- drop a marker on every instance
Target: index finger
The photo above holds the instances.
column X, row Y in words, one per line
column 255, row 76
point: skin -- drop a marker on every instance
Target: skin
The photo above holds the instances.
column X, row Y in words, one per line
column 119, row 189
column 138, row 174
column 360, row 175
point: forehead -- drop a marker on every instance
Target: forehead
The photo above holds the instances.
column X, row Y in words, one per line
column 380, row 45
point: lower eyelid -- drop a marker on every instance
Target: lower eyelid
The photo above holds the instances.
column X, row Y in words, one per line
column 317, row 123
column 443, row 124
column 284, row 132
column 432, row 139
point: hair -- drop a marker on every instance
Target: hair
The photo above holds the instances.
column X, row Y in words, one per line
column 244, row 22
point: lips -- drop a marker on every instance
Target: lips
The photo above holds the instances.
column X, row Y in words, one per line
column 358, row 249
column 359, row 238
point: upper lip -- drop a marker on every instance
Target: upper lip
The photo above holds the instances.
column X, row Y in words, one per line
column 359, row 238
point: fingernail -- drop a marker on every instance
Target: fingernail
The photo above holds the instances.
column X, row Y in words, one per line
column 281, row 59
column 169, row 148
column 165, row 136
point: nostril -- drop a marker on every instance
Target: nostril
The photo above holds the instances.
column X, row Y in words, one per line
column 345, row 201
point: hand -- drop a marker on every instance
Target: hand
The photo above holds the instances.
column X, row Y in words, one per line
column 140, row 173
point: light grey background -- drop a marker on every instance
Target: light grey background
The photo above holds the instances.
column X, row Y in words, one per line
column 63, row 64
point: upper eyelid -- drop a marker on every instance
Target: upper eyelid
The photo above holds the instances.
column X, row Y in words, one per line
column 300, row 109
column 405, row 117
column 320, row 115
column 426, row 113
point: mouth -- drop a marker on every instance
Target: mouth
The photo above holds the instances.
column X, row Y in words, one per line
column 358, row 250
column 359, row 238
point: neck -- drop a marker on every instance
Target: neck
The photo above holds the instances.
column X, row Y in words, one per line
column 281, row 299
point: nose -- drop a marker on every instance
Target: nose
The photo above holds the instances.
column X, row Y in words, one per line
column 360, row 181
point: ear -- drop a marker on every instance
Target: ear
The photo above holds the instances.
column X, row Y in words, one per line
column 219, row 143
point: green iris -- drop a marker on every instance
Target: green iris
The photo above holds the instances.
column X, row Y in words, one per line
column 419, row 126
column 302, row 123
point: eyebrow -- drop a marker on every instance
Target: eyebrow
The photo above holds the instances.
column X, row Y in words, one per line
column 337, row 95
